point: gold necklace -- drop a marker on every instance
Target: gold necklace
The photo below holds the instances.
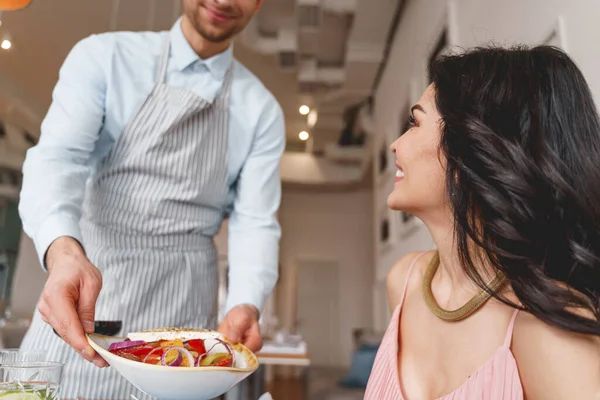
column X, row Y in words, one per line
column 463, row 312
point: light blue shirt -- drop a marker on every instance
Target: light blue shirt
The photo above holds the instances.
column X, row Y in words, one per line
column 102, row 83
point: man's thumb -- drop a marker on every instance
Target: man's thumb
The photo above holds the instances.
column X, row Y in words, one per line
column 86, row 307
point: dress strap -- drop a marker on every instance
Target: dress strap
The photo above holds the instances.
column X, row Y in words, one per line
column 410, row 268
column 511, row 327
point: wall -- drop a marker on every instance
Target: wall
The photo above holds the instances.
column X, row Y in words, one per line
column 28, row 281
column 305, row 168
column 470, row 22
column 336, row 227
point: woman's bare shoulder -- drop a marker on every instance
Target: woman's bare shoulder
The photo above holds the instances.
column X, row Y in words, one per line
column 554, row 363
column 398, row 274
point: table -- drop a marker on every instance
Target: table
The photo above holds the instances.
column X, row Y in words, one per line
column 253, row 387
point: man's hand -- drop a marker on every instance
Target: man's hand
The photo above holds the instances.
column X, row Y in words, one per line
column 241, row 325
column 68, row 301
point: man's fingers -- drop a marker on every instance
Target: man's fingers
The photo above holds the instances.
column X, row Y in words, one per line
column 86, row 305
column 222, row 329
column 253, row 339
column 65, row 321
column 70, row 295
column 86, row 308
column 44, row 310
column 241, row 325
column 99, row 361
column 229, row 330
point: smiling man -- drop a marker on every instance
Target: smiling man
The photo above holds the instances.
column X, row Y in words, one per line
column 151, row 140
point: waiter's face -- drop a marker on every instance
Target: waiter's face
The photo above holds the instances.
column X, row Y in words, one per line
column 220, row 20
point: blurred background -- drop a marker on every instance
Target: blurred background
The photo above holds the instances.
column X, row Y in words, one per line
column 346, row 73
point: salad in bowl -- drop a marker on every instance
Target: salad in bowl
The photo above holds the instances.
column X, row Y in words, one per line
column 177, row 364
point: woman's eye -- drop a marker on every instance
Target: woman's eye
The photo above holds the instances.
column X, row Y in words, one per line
column 411, row 121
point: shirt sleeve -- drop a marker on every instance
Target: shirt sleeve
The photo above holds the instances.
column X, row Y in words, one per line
column 254, row 230
column 56, row 169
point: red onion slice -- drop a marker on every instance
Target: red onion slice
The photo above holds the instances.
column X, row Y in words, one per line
column 229, row 350
column 176, row 362
column 219, row 341
column 152, row 352
column 184, row 352
column 201, row 356
column 125, row 344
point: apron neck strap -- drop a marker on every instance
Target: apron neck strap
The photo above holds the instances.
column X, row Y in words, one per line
column 162, row 71
column 224, row 95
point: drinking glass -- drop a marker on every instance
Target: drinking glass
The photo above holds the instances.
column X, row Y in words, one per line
column 17, row 355
column 30, row 380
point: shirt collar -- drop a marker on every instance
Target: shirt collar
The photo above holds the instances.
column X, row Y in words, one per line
column 183, row 55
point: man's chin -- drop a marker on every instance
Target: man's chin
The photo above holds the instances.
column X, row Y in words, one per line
column 215, row 35
column 216, row 38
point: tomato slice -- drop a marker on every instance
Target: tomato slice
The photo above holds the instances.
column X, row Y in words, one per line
column 224, row 361
column 141, row 351
column 197, row 345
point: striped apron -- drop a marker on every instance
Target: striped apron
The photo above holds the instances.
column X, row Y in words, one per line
column 149, row 216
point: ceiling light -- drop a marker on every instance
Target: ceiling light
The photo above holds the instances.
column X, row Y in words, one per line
column 303, row 135
column 304, row 110
column 6, row 44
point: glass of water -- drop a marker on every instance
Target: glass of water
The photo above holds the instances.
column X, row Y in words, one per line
column 17, row 355
column 38, row 380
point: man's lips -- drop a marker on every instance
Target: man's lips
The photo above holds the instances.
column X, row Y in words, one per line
column 217, row 16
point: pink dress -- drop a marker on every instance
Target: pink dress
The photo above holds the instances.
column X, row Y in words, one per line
column 496, row 379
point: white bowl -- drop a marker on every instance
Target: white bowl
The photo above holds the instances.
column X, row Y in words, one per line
column 178, row 383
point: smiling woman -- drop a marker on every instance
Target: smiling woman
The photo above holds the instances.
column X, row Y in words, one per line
column 500, row 163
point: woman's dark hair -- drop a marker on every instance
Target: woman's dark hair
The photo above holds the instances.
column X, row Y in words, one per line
column 521, row 135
